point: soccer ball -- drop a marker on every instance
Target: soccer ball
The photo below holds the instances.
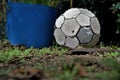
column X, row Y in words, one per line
column 77, row 27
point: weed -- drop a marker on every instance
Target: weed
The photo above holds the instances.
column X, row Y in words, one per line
column 53, row 50
column 68, row 74
column 4, row 72
column 112, row 54
column 107, row 75
column 109, row 55
column 110, row 62
column 39, row 66
column 9, row 53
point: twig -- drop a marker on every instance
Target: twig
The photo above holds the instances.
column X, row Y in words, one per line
column 71, row 3
column 92, row 50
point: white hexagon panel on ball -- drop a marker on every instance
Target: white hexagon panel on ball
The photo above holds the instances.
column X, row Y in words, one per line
column 59, row 22
column 95, row 25
column 70, row 27
column 83, row 20
column 72, row 13
column 59, row 36
column 77, row 26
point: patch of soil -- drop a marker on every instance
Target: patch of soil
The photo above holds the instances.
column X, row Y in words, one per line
column 46, row 66
column 49, row 66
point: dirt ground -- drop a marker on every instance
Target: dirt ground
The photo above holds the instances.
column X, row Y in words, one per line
column 52, row 63
column 83, row 64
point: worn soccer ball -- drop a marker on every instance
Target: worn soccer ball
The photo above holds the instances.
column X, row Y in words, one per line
column 77, row 27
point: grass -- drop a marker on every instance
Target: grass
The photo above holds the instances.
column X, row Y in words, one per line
column 53, row 50
column 9, row 53
column 4, row 72
column 110, row 55
column 107, row 75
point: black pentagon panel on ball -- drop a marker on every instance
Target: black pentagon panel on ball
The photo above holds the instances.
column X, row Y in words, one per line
column 85, row 35
column 94, row 40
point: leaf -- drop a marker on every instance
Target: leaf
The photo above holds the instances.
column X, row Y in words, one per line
column 82, row 72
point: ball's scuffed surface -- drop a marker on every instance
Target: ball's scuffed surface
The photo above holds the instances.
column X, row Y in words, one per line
column 76, row 27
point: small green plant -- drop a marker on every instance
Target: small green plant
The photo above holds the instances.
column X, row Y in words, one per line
column 106, row 75
column 112, row 63
column 10, row 53
column 4, row 72
column 113, row 71
column 69, row 71
column 115, row 10
column 39, row 66
column 53, row 50
column 109, row 55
